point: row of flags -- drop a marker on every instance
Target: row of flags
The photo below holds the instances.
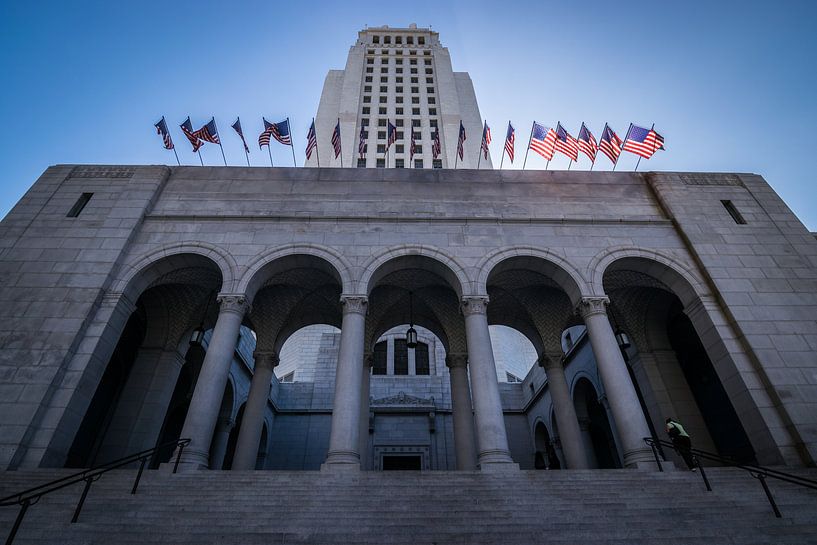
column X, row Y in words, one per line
column 545, row 141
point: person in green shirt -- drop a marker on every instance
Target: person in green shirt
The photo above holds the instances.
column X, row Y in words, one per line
column 681, row 441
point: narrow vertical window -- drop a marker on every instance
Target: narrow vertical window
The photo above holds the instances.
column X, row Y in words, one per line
column 379, row 364
column 421, row 359
column 400, row 357
column 79, row 205
column 733, row 212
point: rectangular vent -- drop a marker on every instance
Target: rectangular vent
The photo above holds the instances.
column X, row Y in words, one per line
column 733, row 212
column 79, row 205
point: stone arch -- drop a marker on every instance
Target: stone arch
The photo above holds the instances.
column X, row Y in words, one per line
column 135, row 276
column 685, row 282
column 583, row 374
column 441, row 263
column 559, row 269
column 336, row 265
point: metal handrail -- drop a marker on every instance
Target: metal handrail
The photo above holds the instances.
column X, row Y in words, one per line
column 758, row 472
column 27, row 498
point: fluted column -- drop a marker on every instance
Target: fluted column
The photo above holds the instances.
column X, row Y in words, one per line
column 206, row 401
column 252, row 423
column 218, row 446
column 368, row 361
column 492, row 439
column 463, row 412
column 565, row 411
column 345, row 434
column 629, row 418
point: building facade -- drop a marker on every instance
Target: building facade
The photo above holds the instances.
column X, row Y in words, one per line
column 401, row 76
column 108, row 270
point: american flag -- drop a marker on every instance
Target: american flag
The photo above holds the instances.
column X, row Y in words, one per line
column 336, row 139
column 237, row 127
column 361, row 146
column 280, row 131
column 510, row 137
column 610, row 143
column 391, row 135
column 435, row 143
column 412, row 147
column 587, row 143
column 566, row 144
column 486, row 139
column 543, row 140
column 642, row 142
column 311, row 140
column 264, row 137
column 461, row 141
column 208, row 132
column 161, row 128
column 187, row 129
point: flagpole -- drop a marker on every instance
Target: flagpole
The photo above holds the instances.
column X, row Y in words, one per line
column 479, row 157
column 200, row 159
column 317, row 153
column 502, row 160
column 596, row 152
column 177, row 155
column 639, row 157
column 292, row 142
column 269, row 151
column 219, row 143
column 626, row 136
column 243, row 142
column 530, row 138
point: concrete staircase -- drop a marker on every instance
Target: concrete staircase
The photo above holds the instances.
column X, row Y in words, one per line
column 401, row 508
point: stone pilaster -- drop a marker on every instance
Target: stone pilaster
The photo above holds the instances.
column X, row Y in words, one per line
column 463, row 413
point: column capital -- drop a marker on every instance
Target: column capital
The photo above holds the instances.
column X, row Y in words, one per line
column 355, row 304
column 593, row 305
column 474, row 304
column 456, row 359
column 233, row 302
column 550, row 361
column 266, row 359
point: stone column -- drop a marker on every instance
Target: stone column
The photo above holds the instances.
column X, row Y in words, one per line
column 368, row 361
column 206, row 401
column 252, row 423
column 345, row 434
column 463, row 413
column 492, row 440
column 218, row 446
column 629, row 418
column 565, row 412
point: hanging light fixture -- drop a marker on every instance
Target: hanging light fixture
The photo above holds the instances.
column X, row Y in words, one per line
column 622, row 339
column 197, row 337
column 411, row 334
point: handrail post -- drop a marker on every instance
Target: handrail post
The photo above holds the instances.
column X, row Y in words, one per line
column 762, row 478
column 178, row 457
column 138, row 475
column 703, row 473
column 23, row 508
column 655, row 453
column 88, row 482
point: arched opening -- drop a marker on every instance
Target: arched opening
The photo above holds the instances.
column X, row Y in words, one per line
column 514, row 354
column 597, row 434
column 229, row 453
column 308, row 355
column 674, row 374
column 137, row 400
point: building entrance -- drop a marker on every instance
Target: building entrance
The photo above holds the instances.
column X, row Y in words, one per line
column 397, row 463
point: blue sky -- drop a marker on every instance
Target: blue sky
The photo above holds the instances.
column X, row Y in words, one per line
column 730, row 84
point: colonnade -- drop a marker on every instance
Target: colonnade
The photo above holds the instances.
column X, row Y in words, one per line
column 480, row 437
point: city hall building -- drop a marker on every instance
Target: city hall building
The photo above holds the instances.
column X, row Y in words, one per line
column 398, row 313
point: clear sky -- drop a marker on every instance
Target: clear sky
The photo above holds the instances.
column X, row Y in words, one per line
column 730, row 84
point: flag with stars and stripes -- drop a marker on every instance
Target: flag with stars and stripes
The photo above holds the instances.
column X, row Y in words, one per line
column 486, row 140
column 361, row 145
column 311, row 141
column 587, row 143
column 510, row 137
column 161, row 128
column 187, row 129
column 436, row 148
column 237, row 128
column 610, row 143
column 208, row 132
column 642, row 142
column 391, row 135
column 336, row 139
column 566, row 144
column 412, row 146
column 543, row 140
column 461, row 142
